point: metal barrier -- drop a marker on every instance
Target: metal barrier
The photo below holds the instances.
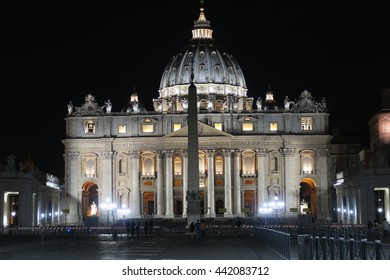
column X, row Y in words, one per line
column 276, row 240
column 330, row 248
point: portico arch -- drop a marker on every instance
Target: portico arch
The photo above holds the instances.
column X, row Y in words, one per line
column 90, row 194
column 308, row 194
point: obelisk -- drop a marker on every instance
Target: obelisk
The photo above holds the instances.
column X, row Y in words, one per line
column 193, row 194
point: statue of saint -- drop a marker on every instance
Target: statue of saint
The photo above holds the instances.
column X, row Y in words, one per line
column 304, row 206
column 93, row 209
column 108, row 106
column 70, row 107
column 258, row 103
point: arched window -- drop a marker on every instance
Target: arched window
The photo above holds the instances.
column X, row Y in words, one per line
column 177, row 165
column 248, row 163
column 89, row 165
column 218, row 165
column 307, row 162
column 202, row 163
column 148, row 164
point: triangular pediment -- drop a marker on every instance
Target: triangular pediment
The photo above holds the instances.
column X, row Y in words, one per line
column 204, row 130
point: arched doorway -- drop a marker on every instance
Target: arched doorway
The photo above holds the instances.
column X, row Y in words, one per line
column 90, row 200
column 308, row 197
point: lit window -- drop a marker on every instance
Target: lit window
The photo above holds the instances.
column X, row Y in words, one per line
column 307, row 162
column 248, row 163
column 177, row 166
column 176, row 126
column 148, row 166
column 219, row 165
column 90, row 127
column 386, row 127
column 247, row 127
column 306, row 123
column 273, row 126
column 90, row 168
column 147, row 128
column 122, row 128
column 218, row 126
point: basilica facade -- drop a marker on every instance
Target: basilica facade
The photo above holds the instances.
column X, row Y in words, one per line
column 258, row 157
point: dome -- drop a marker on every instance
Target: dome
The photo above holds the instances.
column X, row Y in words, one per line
column 270, row 104
column 215, row 71
column 134, row 106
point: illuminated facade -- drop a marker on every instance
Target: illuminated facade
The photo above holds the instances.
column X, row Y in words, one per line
column 255, row 156
column 363, row 176
column 29, row 197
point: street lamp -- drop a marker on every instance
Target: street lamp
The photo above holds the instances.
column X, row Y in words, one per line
column 123, row 211
column 42, row 218
column 109, row 207
column 265, row 211
column 350, row 216
column 276, row 204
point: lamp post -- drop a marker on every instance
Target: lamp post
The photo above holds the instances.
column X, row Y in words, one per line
column 109, row 207
column 276, row 205
column 380, row 211
column 351, row 216
column 42, row 218
column 123, row 211
column 265, row 211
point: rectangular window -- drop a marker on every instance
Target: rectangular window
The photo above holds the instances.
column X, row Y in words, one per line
column 176, row 126
column 147, row 128
column 218, row 126
column 122, row 128
column 247, row 127
column 90, row 127
column 273, row 126
column 306, row 123
column 386, row 127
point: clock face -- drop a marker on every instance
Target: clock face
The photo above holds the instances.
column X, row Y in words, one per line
column 90, row 108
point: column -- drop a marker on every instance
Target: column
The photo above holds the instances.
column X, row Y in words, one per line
column 237, row 183
column 185, row 182
column 228, row 183
column 210, row 183
column 73, row 199
column 261, row 155
column 323, row 163
column 289, row 180
column 1, row 209
column 160, row 178
column 107, row 175
column 168, row 185
column 135, row 207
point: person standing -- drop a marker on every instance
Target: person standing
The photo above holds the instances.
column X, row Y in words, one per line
column 192, row 230
column 137, row 228
column 146, row 225
column 197, row 229
column 128, row 228
column 202, row 230
column 150, row 226
column 132, row 228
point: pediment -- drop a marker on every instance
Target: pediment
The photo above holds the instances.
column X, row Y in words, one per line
column 204, row 130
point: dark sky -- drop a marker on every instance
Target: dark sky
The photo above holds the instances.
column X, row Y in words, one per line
column 51, row 55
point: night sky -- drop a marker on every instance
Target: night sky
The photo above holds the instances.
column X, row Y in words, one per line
column 51, row 55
